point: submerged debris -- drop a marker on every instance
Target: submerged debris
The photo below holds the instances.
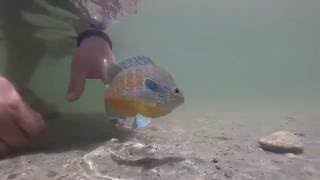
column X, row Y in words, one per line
column 146, row 163
column 282, row 142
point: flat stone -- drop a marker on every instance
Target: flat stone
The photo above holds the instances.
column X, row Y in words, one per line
column 282, row 142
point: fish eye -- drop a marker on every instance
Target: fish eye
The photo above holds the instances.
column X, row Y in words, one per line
column 176, row 90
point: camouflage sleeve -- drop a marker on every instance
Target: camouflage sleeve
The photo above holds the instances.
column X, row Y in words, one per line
column 98, row 14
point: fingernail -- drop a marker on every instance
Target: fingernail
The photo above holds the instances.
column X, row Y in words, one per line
column 71, row 97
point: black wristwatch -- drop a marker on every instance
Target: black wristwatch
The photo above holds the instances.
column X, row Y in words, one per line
column 93, row 32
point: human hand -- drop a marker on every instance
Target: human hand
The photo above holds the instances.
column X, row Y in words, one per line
column 19, row 124
column 90, row 60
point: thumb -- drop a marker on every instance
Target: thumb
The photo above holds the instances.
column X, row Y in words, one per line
column 77, row 82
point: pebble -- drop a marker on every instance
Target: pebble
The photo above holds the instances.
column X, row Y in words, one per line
column 214, row 160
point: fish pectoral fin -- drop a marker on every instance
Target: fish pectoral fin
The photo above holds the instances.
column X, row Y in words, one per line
column 140, row 121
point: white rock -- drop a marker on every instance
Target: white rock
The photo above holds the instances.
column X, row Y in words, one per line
column 282, row 142
column 293, row 156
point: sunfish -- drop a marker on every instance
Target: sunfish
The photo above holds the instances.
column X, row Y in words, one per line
column 141, row 89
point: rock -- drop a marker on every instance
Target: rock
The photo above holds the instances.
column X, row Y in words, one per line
column 214, row 160
column 51, row 174
column 293, row 156
column 282, row 142
column 12, row 176
column 300, row 134
column 114, row 140
column 223, row 138
column 228, row 174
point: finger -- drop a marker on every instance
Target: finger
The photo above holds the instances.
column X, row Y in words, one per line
column 30, row 121
column 77, row 80
column 22, row 115
column 11, row 133
column 4, row 149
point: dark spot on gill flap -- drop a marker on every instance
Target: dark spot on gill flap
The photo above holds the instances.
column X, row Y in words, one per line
column 152, row 85
column 162, row 92
column 113, row 71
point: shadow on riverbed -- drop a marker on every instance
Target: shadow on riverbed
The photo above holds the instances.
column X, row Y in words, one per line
column 76, row 131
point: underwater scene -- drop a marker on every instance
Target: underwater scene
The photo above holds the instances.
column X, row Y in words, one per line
column 190, row 90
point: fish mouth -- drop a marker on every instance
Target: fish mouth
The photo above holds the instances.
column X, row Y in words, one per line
column 180, row 101
column 181, row 98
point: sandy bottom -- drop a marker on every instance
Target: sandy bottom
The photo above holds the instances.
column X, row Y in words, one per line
column 191, row 143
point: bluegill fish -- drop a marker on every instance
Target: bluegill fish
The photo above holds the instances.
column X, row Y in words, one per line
column 139, row 88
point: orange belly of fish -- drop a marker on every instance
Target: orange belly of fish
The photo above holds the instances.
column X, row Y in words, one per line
column 130, row 108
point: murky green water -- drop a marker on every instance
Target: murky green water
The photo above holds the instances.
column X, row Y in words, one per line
column 247, row 68
column 221, row 52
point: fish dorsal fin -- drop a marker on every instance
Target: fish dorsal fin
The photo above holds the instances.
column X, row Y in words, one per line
column 135, row 61
column 128, row 63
